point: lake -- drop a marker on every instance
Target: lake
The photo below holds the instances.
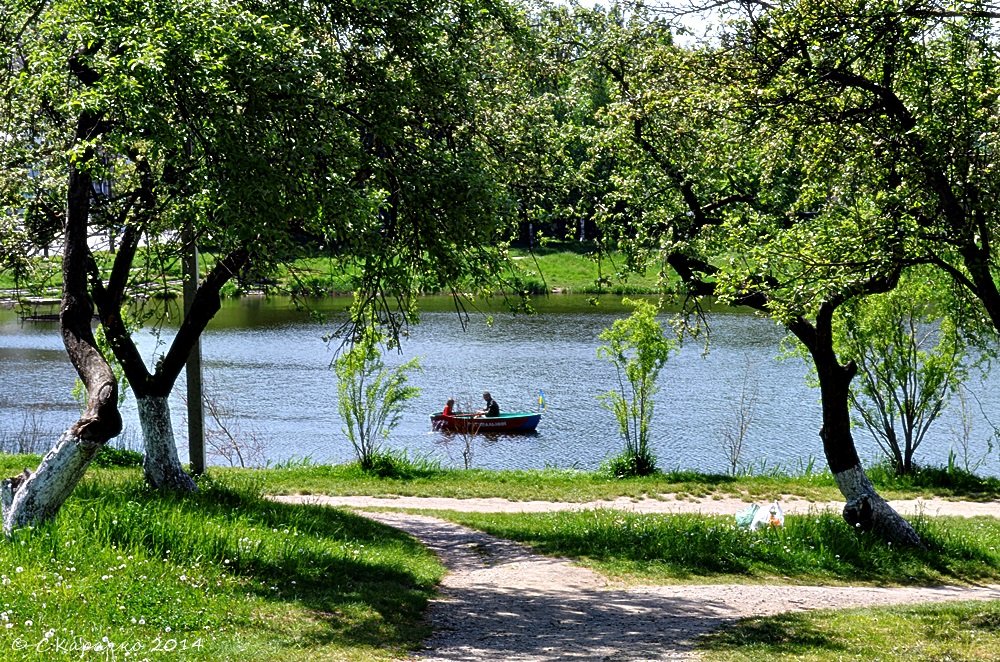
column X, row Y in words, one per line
column 267, row 368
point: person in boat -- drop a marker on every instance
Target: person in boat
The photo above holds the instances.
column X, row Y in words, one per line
column 491, row 409
column 449, row 408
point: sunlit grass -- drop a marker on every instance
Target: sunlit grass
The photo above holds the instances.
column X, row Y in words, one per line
column 226, row 575
column 581, row 486
column 561, row 269
column 818, row 548
column 222, row 574
column 584, row 274
column 957, row 631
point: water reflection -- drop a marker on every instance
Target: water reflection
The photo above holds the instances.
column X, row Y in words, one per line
column 271, row 364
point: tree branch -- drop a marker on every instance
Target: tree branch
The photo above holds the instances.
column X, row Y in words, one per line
column 206, row 303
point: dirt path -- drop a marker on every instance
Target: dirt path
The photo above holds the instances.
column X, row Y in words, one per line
column 500, row 601
column 669, row 503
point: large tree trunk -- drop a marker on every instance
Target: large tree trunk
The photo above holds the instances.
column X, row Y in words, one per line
column 161, row 465
column 31, row 498
column 865, row 509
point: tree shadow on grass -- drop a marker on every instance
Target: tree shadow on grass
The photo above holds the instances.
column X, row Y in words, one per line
column 364, row 583
column 765, row 637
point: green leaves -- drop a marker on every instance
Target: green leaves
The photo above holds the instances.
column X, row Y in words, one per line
column 638, row 349
column 371, row 397
column 357, row 130
column 910, row 356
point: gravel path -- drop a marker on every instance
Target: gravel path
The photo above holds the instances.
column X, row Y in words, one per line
column 500, row 601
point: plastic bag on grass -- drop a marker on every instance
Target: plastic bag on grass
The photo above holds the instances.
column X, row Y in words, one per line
column 744, row 518
column 755, row 517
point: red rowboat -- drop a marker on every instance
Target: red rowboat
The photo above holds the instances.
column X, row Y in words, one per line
column 513, row 422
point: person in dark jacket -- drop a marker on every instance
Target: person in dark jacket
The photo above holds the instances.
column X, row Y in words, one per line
column 491, row 408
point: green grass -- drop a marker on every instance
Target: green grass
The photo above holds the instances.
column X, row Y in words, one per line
column 580, row 486
column 955, row 632
column 818, row 548
column 226, row 575
column 219, row 575
column 571, row 271
column 544, row 269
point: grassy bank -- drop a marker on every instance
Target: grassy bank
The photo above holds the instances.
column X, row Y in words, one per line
column 561, row 268
column 226, row 575
column 220, row 575
column 815, row 549
column 423, row 479
column 564, row 268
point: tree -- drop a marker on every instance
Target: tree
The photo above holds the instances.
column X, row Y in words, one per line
column 910, row 360
column 33, row 497
column 370, row 396
column 910, row 91
column 268, row 130
column 638, row 349
column 892, row 108
column 907, row 93
column 731, row 208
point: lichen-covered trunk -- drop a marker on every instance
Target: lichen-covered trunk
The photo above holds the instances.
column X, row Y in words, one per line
column 868, row 511
column 161, row 465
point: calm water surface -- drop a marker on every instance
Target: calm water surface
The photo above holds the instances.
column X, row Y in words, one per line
column 268, row 366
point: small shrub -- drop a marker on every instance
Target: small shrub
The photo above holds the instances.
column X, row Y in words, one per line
column 371, row 396
column 630, row 464
column 638, row 349
column 398, row 464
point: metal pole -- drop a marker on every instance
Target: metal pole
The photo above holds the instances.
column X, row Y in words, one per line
column 196, row 415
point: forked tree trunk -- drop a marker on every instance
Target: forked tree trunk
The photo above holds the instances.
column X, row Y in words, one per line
column 162, row 467
column 160, row 463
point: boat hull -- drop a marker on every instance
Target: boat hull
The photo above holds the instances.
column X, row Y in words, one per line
column 512, row 423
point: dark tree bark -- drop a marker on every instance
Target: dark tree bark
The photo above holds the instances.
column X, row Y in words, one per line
column 865, row 509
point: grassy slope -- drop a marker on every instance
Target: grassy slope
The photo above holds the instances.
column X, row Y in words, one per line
column 235, row 577
column 220, row 575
